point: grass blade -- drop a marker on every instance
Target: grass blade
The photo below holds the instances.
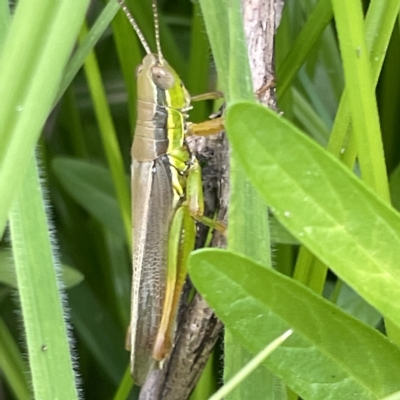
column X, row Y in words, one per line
column 250, row 367
column 311, row 32
column 109, row 138
column 29, row 81
column 86, row 46
column 361, row 94
column 12, row 365
column 248, row 232
column 45, row 327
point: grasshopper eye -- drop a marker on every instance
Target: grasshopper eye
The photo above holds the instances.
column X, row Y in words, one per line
column 163, row 78
column 138, row 70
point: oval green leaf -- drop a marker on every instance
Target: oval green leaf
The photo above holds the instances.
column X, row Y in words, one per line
column 331, row 355
column 321, row 203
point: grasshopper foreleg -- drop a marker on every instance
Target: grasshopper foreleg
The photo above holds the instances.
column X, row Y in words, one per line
column 195, row 198
column 211, row 127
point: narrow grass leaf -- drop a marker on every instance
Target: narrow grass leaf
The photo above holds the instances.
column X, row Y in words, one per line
column 218, row 34
column 91, row 186
column 279, row 234
column 12, row 366
column 308, row 118
column 44, row 321
column 250, row 367
column 356, row 306
column 29, row 81
column 130, row 54
column 125, row 386
column 239, row 74
column 5, row 21
column 87, row 45
column 69, row 276
column 109, row 139
column 119, row 276
column 310, row 34
column 379, row 24
column 99, row 331
column 197, row 81
column 248, row 231
column 394, row 181
column 208, row 382
column 361, row 94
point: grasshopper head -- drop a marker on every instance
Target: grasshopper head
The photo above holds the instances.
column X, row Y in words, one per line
column 157, row 80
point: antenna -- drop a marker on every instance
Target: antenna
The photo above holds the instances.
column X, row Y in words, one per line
column 157, row 31
column 136, row 27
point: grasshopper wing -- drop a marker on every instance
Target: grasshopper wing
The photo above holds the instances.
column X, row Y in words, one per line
column 152, row 208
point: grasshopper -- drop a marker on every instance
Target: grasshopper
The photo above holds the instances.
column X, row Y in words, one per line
column 167, row 198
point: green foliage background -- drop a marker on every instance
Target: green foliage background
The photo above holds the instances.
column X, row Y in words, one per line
column 82, row 120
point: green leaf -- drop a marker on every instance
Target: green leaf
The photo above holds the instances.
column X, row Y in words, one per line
column 70, row 276
column 98, row 330
column 250, row 367
column 279, row 234
column 47, row 340
column 197, row 80
column 393, row 396
column 310, row 34
column 91, row 186
column 29, row 80
column 218, row 34
column 11, row 364
column 248, row 231
column 360, row 90
column 109, row 138
column 321, row 203
column 5, row 19
column 331, row 355
column 395, row 187
column 86, row 46
column 356, row 306
column 7, row 273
